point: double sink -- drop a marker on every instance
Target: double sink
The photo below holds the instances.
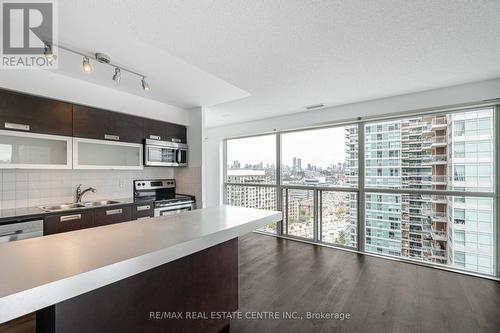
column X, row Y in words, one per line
column 71, row 206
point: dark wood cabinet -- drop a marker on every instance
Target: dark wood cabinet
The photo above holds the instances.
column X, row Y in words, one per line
column 159, row 130
column 142, row 211
column 21, row 112
column 68, row 221
column 88, row 218
column 35, row 114
column 111, row 215
column 100, row 124
column 176, row 133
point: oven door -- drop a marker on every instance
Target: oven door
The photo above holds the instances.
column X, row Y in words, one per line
column 175, row 209
column 161, row 156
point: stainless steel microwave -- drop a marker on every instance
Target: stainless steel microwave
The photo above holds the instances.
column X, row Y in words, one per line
column 165, row 153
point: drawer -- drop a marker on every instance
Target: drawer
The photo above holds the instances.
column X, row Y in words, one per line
column 142, row 211
column 111, row 215
column 70, row 221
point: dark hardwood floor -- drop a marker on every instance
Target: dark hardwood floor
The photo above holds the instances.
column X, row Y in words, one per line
column 380, row 295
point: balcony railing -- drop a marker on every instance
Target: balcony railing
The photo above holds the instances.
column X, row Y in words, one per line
column 439, row 140
column 439, row 122
column 439, row 234
column 439, row 217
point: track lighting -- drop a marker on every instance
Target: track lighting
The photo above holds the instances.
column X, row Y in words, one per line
column 117, row 76
column 87, row 67
column 101, row 58
column 145, row 85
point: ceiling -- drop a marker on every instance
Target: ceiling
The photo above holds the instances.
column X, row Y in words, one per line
column 256, row 59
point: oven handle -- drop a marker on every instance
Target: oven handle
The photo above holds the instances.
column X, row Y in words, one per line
column 169, row 208
column 176, row 207
column 176, row 204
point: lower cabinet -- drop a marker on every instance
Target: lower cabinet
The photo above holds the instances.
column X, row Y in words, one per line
column 111, row 215
column 69, row 221
column 89, row 218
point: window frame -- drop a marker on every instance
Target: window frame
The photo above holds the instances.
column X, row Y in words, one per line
column 361, row 190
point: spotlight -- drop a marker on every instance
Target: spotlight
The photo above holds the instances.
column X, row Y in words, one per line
column 117, row 76
column 48, row 54
column 145, row 85
column 87, row 67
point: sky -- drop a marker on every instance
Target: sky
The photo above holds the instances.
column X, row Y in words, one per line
column 320, row 147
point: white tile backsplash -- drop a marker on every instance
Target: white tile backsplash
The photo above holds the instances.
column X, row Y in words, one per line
column 26, row 188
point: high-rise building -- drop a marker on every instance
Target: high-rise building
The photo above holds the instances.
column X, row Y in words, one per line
column 250, row 196
column 450, row 152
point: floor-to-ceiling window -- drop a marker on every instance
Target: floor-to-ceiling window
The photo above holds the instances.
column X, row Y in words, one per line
column 319, row 182
column 418, row 187
column 251, row 174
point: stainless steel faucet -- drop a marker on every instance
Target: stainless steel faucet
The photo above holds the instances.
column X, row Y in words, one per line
column 80, row 193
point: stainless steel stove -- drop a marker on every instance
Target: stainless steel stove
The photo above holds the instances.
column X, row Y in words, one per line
column 162, row 193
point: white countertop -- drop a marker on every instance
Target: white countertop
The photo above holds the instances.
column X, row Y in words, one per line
column 39, row 272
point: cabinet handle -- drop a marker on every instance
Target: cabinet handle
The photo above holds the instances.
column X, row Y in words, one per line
column 114, row 211
column 142, row 208
column 111, row 137
column 70, row 217
column 155, row 137
column 22, row 127
column 11, row 233
column 176, row 140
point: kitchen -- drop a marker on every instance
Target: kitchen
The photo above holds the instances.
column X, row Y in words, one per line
column 249, row 166
column 67, row 167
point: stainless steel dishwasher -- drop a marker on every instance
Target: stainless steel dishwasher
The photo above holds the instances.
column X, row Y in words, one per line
column 21, row 229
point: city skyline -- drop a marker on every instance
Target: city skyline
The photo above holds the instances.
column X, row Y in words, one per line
column 330, row 140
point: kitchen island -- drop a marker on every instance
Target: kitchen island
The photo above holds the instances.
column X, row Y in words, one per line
column 130, row 276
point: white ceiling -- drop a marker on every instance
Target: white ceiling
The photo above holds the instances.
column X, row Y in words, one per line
column 286, row 54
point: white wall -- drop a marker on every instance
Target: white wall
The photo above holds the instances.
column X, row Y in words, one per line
column 472, row 92
column 190, row 179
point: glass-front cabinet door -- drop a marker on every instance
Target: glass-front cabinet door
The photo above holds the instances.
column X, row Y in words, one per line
column 20, row 150
column 101, row 154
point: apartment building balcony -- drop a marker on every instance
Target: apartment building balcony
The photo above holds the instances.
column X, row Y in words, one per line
column 439, row 254
column 440, row 235
column 435, row 199
column 440, row 179
column 439, row 141
column 439, row 217
column 435, row 159
column 426, row 144
column 427, row 130
column 439, row 123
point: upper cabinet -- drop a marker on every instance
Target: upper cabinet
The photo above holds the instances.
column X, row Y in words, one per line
column 34, row 151
column 99, row 124
column 20, row 112
column 159, row 130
